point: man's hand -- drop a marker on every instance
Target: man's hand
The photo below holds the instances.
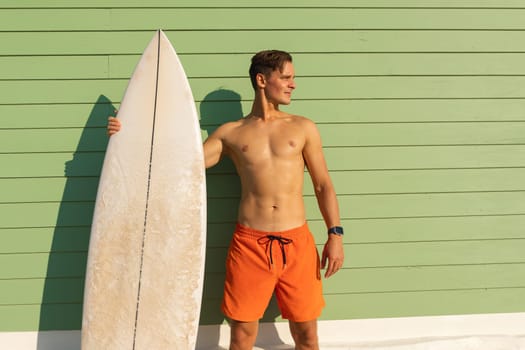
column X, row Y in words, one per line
column 113, row 125
column 333, row 255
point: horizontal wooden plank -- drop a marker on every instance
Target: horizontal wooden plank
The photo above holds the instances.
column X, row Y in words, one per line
column 43, row 265
column 346, row 183
column 46, row 214
column 334, row 64
column 269, row 3
column 60, row 91
column 403, row 205
column 245, row 19
column 54, row 19
column 352, row 207
column 425, row 229
column 236, row 65
column 334, row 135
column 427, row 278
column 57, row 115
column 47, row 317
column 418, row 205
column 381, row 182
column 421, row 134
column 51, row 164
column 420, row 110
column 68, row 316
column 394, row 279
column 87, row 91
column 435, row 253
column 401, row 229
column 338, row 159
column 214, row 113
column 380, row 87
column 45, row 239
column 49, row 189
column 163, row 3
column 412, row 254
column 397, row 254
column 397, row 279
column 54, row 67
column 53, row 140
column 425, row 157
column 74, row 239
column 378, row 305
column 424, row 181
column 317, row 18
column 360, row 256
column 325, row 41
column 40, row 290
column 447, row 302
column 400, row 181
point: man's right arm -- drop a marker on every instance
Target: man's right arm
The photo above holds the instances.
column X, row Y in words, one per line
column 213, row 149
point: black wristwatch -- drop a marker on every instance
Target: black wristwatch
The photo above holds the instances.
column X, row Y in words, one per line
column 336, row 230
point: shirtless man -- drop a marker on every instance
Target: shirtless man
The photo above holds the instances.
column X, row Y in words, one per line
column 272, row 248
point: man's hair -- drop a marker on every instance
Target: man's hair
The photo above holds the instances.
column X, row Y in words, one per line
column 266, row 62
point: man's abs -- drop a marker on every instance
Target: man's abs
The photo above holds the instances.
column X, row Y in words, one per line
column 272, row 213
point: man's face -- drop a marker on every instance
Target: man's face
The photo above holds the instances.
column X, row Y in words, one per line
column 280, row 84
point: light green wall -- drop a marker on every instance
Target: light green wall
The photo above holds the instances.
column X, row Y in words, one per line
column 420, row 105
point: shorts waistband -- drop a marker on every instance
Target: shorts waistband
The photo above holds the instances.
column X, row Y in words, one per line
column 290, row 233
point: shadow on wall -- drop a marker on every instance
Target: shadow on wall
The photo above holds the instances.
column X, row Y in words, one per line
column 61, row 307
column 219, row 107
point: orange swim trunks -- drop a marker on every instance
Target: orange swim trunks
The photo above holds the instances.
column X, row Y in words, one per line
column 260, row 263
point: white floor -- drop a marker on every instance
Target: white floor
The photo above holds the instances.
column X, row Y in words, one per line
column 464, row 332
column 466, row 343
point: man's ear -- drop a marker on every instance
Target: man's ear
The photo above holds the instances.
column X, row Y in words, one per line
column 260, row 79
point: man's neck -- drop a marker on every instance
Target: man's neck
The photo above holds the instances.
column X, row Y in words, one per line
column 264, row 109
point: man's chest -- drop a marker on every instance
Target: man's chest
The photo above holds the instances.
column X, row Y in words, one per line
column 263, row 145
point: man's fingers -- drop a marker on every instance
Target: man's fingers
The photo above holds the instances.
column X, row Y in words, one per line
column 333, row 266
column 330, row 270
column 333, row 256
column 323, row 260
column 113, row 126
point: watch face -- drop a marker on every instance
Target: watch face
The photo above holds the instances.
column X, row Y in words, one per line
column 338, row 230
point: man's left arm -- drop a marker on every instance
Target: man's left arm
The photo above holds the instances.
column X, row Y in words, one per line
column 333, row 252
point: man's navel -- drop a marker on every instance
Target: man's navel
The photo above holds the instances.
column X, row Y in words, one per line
column 244, row 148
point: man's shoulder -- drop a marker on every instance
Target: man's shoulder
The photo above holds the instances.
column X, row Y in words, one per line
column 298, row 118
column 224, row 130
column 306, row 125
column 229, row 125
column 302, row 121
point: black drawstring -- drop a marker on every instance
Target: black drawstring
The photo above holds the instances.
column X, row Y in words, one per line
column 268, row 240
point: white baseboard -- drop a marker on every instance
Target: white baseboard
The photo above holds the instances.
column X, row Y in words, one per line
column 485, row 331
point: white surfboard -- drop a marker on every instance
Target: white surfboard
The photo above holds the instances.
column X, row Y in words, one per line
column 146, row 254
